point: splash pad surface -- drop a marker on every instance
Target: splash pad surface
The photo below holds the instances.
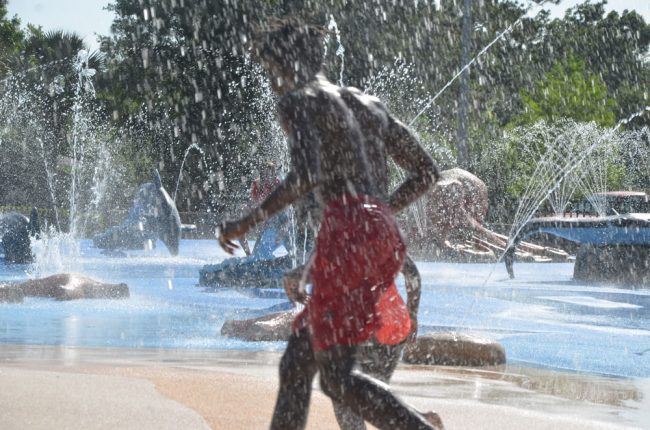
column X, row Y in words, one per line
column 543, row 318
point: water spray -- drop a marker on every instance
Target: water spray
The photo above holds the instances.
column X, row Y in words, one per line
column 180, row 172
column 472, row 61
column 340, row 50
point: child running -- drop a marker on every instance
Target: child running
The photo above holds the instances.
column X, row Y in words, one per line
column 359, row 249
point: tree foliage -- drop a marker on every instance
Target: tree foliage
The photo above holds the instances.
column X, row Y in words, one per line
column 187, row 70
column 11, row 39
column 177, row 77
column 568, row 91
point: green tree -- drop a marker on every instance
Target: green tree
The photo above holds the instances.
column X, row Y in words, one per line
column 612, row 45
column 185, row 74
column 49, row 60
column 568, row 90
column 37, row 117
column 183, row 71
column 11, row 39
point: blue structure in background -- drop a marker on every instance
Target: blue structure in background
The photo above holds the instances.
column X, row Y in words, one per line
column 608, row 244
column 153, row 216
column 15, row 233
column 260, row 269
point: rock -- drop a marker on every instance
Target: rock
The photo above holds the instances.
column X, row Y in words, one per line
column 620, row 264
column 70, row 286
column 247, row 272
column 272, row 327
column 453, row 209
column 454, row 349
column 15, row 241
column 10, row 293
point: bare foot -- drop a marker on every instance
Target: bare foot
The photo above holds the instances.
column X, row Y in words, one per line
column 434, row 419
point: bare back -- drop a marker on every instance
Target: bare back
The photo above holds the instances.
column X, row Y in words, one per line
column 325, row 141
column 386, row 137
column 373, row 120
column 339, row 140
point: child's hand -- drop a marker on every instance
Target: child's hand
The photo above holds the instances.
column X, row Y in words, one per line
column 226, row 232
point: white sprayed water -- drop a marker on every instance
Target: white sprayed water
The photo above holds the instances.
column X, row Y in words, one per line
column 55, row 252
column 539, row 190
column 79, row 129
column 340, row 49
column 536, row 7
column 180, row 172
column 593, row 303
column 50, row 183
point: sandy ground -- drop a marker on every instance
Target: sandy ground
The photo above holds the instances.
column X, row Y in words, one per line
column 71, row 388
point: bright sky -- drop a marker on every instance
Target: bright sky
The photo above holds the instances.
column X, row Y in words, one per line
column 642, row 7
column 87, row 17
column 84, row 17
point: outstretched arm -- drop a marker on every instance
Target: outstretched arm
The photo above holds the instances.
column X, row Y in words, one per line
column 301, row 179
column 289, row 190
column 406, row 151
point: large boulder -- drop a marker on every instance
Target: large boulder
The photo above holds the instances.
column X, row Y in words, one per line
column 71, row 286
column 449, row 224
column 272, row 327
column 451, row 213
column 458, row 201
column 454, row 349
column 10, row 293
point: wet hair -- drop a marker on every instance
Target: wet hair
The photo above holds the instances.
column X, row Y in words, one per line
column 291, row 43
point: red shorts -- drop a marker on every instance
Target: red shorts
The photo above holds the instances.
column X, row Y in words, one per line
column 359, row 251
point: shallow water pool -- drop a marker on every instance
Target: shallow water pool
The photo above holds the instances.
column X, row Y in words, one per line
column 543, row 318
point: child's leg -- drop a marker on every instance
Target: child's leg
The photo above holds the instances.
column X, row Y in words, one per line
column 364, row 395
column 376, row 360
column 297, row 370
column 347, row 419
